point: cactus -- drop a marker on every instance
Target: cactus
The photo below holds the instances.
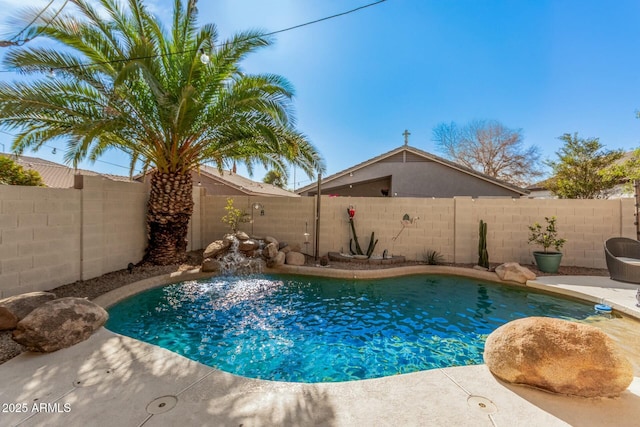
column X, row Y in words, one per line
column 358, row 249
column 483, row 255
column 372, row 245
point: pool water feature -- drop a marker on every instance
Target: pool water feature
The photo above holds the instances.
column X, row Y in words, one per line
column 313, row 329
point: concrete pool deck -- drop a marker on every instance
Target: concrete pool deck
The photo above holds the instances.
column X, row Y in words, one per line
column 115, row 380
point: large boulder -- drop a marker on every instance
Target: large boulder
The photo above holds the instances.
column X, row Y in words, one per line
column 514, row 272
column 295, row 258
column 216, row 248
column 59, row 324
column 16, row 308
column 558, row 356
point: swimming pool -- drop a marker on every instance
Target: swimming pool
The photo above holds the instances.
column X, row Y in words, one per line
column 313, row 329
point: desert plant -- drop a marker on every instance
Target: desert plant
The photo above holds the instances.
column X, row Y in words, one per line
column 234, row 216
column 358, row 251
column 483, row 255
column 546, row 237
column 432, row 257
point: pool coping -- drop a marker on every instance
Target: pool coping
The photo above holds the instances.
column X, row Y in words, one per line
column 111, row 379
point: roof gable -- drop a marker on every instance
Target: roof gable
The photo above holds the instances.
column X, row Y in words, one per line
column 407, row 153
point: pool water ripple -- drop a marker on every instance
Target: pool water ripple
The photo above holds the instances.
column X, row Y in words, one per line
column 295, row 328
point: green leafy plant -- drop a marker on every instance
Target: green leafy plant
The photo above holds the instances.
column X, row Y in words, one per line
column 483, row 255
column 547, row 237
column 432, row 257
column 12, row 173
column 234, row 216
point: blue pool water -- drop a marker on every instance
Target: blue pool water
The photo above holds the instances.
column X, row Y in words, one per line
column 302, row 329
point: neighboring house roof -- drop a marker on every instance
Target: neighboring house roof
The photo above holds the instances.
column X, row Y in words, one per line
column 56, row 175
column 242, row 184
column 540, row 185
column 238, row 183
column 420, row 153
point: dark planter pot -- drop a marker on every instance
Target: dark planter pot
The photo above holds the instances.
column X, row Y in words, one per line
column 548, row 262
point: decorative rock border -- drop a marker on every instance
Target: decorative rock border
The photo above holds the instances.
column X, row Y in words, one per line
column 335, row 256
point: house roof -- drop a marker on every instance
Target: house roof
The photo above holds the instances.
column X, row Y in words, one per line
column 245, row 185
column 421, row 153
column 238, row 182
column 56, row 175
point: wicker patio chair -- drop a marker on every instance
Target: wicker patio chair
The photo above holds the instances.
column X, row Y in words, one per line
column 623, row 259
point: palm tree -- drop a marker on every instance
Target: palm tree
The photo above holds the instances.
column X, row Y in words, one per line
column 170, row 99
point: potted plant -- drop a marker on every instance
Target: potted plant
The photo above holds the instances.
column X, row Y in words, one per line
column 547, row 237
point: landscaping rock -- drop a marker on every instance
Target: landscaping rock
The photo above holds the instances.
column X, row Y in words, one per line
column 216, row 248
column 8, row 320
column 558, row 356
column 270, row 251
column 270, row 239
column 210, row 265
column 514, row 272
column 16, row 308
column 241, row 235
column 295, row 258
column 277, row 261
column 59, row 324
column 248, row 245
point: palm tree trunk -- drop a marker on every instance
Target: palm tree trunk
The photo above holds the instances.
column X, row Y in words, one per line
column 169, row 211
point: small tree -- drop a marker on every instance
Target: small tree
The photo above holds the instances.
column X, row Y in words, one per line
column 547, row 237
column 12, row 173
column 234, row 216
column 489, row 147
column 584, row 170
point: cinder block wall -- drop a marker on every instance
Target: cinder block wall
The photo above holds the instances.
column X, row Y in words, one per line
column 50, row 237
column 285, row 218
column 113, row 224
column 586, row 224
column 449, row 226
column 39, row 238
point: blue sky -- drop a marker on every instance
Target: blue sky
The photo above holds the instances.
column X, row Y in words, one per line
column 546, row 67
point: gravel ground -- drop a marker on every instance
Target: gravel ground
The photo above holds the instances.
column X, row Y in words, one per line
column 95, row 287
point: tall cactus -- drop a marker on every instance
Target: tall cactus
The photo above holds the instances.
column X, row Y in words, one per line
column 358, row 250
column 483, row 255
